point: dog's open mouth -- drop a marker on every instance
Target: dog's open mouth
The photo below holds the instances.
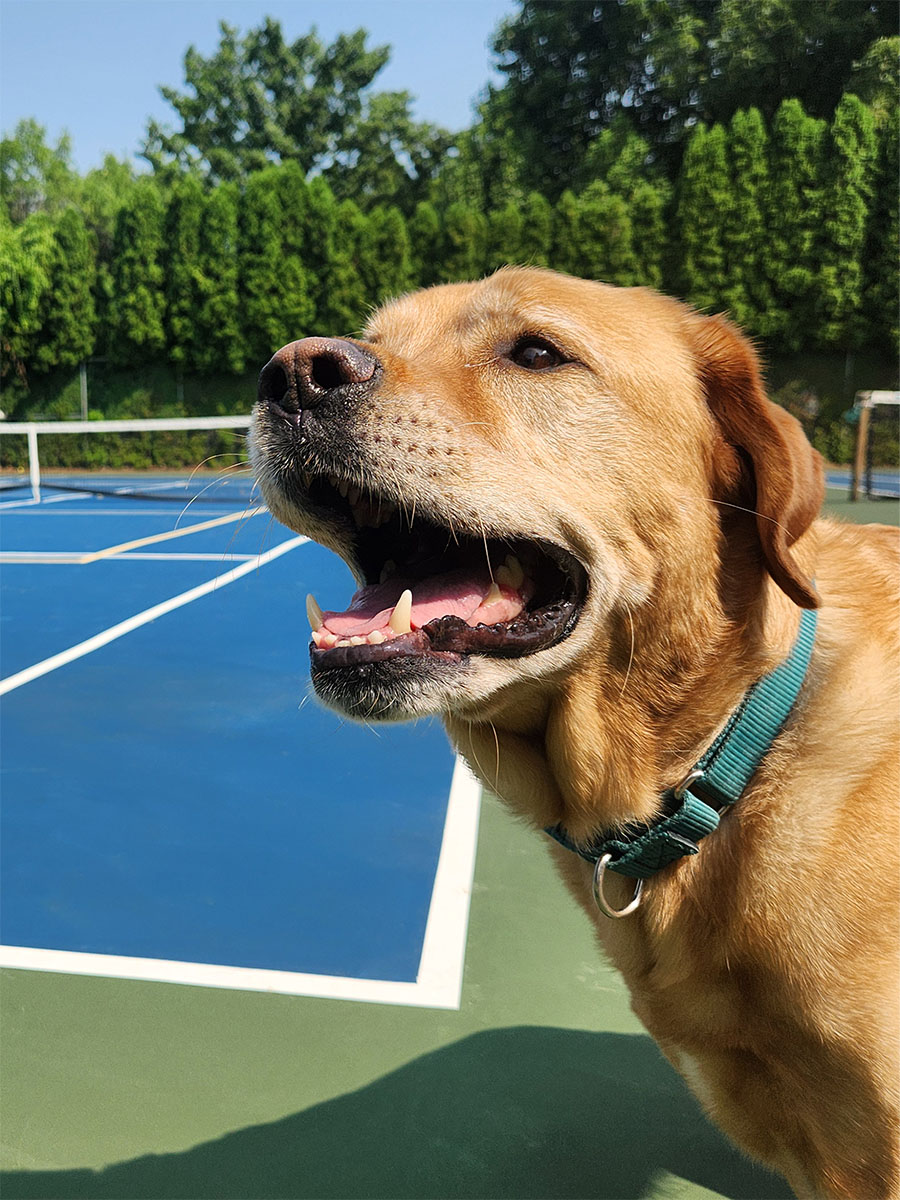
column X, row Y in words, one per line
column 431, row 589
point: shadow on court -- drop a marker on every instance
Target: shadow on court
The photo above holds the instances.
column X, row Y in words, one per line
column 519, row 1112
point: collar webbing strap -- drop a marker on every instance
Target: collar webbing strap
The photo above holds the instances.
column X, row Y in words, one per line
column 721, row 775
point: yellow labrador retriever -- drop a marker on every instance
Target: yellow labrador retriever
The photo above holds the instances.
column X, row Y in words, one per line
column 585, row 537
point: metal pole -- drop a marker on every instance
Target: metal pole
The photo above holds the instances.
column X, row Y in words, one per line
column 859, row 458
column 84, row 395
column 34, row 466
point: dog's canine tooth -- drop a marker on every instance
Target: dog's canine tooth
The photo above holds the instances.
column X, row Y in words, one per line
column 515, row 570
column 389, row 569
column 494, row 594
column 313, row 613
column 333, row 480
column 343, row 487
column 353, row 496
column 400, row 617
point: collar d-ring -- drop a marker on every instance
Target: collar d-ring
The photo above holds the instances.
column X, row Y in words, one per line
column 600, row 900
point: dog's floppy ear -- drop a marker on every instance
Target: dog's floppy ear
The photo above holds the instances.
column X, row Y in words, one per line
column 783, row 476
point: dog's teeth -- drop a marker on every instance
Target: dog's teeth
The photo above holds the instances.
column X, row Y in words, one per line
column 400, row 617
column 356, row 640
column 376, row 637
column 505, row 576
column 343, row 487
column 313, row 613
column 353, row 496
column 389, row 569
column 494, row 594
column 333, row 480
column 307, row 479
column 515, row 570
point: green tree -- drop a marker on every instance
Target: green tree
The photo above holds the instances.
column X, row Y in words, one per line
column 137, row 304
column 218, row 341
column 182, row 269
column 465, row 239
column 846, row 196
column 537, row 230
column 566, row 252
column 701, row 217
column 259, row 99
column 274, row 286
column 389, row 240
column 747, row 292
column 35, row 177
column 665, row 65
column 67, row 315
column 793, row 220
column 881, row 279
column 605, row 236
column 385, row 157
column 504, row 236
column 425, row 243
column 354, row 282
column 26, row 258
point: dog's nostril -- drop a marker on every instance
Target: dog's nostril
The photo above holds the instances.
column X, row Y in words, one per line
column 328, row 371
column 275, row 388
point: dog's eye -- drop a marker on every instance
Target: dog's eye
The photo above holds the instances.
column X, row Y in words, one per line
column 535, row 355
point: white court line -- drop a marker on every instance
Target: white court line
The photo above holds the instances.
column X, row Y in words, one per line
column 439, row 980
column 150, row 614
column 66, row 558
column 32, row 503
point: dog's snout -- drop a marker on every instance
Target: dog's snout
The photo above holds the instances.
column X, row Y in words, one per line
column 304, row 374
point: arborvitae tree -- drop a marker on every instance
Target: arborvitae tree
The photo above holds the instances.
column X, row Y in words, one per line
column 390, row 243
column 748, row 295
column 881, row 278
column 504, row 237
column 218, row 343
column 296, row 283
column 259, row 259
column 137, row 304
column 847, row 193
column 68, row 327
column 704, row 199
column 565, row 254
column 354, row 280
column 465, row 235
column 182, row 241
column 26, row 256
column 793, row 219
column 605, row 236
column 537, row 230
column 322, row 220
column 425, row 243
column 647, row 206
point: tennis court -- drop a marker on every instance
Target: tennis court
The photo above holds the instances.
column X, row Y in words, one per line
column 255, row 951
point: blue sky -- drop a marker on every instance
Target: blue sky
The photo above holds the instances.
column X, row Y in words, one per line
column 93, row 67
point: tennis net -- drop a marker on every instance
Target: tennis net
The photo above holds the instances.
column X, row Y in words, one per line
column 160, row 459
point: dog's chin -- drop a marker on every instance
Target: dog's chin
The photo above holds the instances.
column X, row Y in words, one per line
column 402, row 688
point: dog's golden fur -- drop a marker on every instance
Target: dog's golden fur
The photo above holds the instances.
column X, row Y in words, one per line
column 765, row 967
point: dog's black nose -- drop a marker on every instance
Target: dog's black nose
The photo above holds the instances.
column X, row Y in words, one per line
column 306, row 373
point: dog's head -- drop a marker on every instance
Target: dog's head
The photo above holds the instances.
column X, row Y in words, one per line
column 507, row 466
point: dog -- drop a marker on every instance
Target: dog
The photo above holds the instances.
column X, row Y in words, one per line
column 586, row 538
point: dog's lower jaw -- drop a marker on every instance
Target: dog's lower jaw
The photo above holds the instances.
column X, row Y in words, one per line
column 401, row 689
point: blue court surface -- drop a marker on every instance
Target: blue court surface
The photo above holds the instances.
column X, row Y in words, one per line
column 175, row 806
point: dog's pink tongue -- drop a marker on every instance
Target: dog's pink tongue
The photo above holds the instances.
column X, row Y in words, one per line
column 456, row 593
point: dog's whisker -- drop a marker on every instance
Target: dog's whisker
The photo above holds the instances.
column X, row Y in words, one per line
column 752, row 512
column 631, row 654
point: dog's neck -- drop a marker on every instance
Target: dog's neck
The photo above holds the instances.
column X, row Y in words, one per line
column 598, row 748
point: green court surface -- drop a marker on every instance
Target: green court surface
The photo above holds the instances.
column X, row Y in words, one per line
column 543, row 1084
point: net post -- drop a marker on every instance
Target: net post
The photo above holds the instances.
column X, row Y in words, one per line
column 34, row 464
column 859, row 457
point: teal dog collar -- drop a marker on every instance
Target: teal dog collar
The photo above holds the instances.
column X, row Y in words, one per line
column 720, row 776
